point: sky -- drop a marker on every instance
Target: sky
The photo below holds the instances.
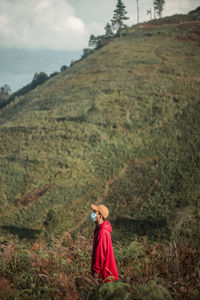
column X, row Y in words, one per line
column 68, row 24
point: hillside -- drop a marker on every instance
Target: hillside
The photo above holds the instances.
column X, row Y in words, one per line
column 120, row 126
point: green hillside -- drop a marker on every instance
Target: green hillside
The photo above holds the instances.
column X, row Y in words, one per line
column 121, row 126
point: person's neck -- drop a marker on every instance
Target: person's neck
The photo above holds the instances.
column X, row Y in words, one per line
column 99, row 222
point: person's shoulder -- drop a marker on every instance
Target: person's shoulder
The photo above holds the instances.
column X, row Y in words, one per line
column 106, row 227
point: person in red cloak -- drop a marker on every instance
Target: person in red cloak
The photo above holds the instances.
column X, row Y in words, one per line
column 103, row 264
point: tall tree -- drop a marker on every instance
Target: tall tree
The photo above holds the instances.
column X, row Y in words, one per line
column 159, row 6
column 6, row 89
column 38, row 79
column 96, row 41
column 154, row 9
column 4, row 94
column 149, row 12
column 108, row 30
column 138, row 17
column 92, row 41
column 119, row 17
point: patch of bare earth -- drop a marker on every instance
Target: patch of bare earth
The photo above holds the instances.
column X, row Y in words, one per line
column 34, row 196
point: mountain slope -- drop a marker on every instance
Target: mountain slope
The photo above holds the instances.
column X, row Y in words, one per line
column 119, row 126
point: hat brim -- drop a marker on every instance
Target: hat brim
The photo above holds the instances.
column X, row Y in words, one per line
column 94, row 207
column 102, row 209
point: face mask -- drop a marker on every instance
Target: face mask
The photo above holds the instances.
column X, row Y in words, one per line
column 93, row 217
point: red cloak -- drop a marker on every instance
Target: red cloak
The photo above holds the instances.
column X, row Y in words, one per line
column 103, row 260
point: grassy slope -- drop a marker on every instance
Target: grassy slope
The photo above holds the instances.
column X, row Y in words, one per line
column 121, row 126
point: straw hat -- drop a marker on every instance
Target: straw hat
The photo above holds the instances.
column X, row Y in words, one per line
column 102, row 209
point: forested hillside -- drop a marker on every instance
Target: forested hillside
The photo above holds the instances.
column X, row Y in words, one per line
column 120, row 127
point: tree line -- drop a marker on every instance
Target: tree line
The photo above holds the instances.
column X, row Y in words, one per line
column 113, row 28
column 39, row 78
column 117, row 23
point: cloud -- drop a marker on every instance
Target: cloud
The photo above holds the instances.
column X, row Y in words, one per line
column 179, row 6
column 96, row 28
column 67, row 24
column 171, row 7
column 41, row 24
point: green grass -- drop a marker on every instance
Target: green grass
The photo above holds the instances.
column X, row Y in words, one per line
column 135, row 98
column 121, row 127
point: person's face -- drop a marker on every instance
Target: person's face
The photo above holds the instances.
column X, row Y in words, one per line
column 98, row 215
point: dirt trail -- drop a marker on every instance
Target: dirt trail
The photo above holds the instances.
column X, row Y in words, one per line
column 83, row 220
column 26, row 200
column 111, row 181
column 123, row 171
column 34, row 196
column 165, row 24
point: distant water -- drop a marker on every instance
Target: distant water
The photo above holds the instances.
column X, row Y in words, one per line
column 18, row 66
column 16, row 81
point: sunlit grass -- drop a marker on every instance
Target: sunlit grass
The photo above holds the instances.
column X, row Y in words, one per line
column 120, row 126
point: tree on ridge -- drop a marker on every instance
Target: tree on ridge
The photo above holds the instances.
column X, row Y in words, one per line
column 149, row 12
column 4, row 94
column 119, row 17
column 158, row 7
column 138, row 18
column 108, row 30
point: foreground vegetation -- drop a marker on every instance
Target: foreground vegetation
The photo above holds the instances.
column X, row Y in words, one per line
column 59, row 270
column 121, row 126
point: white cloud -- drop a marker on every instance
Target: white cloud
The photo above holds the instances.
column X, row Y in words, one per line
column 96, row 28
column 58, row 24
column 41, row 24
column 179, row 6
column 171, row 7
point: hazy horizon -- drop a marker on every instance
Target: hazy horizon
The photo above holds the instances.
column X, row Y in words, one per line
column 18, row 66
column 60, row 29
